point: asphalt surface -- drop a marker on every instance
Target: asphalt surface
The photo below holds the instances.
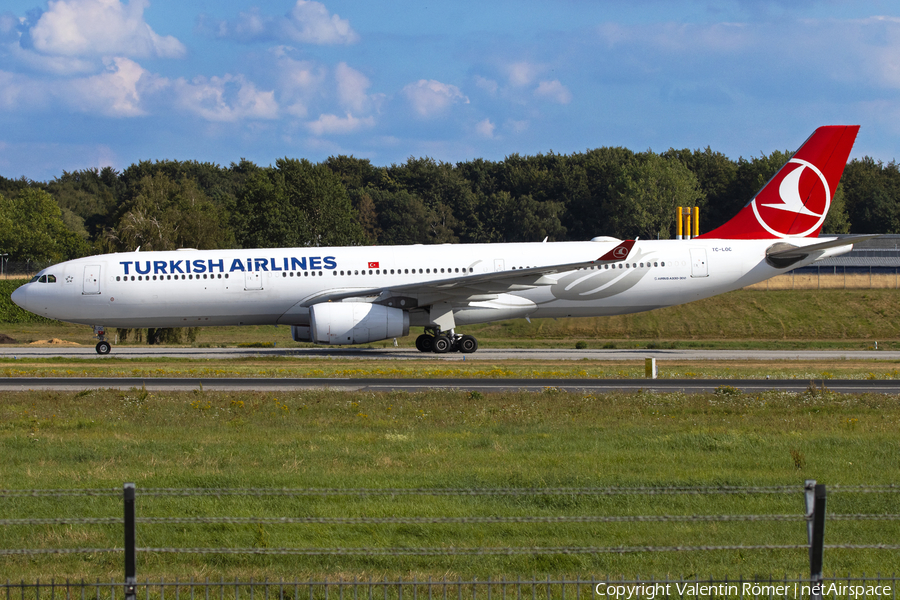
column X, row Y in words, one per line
column 413, row 385
column 849, row 386
column 484, row 355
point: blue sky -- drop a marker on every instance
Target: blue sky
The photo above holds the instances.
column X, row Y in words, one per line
column 91, row 83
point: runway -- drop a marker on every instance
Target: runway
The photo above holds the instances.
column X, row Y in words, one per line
column 483, row 355
column 269, row 384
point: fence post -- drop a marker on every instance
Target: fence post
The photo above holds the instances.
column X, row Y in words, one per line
column 130, row 567
column 809, row 490
column 815, row 510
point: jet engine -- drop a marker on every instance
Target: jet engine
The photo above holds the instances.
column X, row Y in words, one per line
column 339, row 323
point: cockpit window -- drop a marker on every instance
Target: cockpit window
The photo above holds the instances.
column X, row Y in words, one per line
column 35, row 278
column 51, row 278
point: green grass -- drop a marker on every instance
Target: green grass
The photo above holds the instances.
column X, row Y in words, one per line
column 100, row 439
column 475, row 367
column 826, row 319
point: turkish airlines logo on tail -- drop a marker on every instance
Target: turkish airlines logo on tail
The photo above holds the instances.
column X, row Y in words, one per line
column 620, row 252
column 799, row 206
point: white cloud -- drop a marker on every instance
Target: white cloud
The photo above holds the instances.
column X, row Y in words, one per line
column 60, row 65
column 351, row 88
column 249, row 26
column 117, row 92
column 430, row 98
column 488, row 85
column 308, row 22
column 299, row 82
column 114, row 93
column 100, row 28
column 522, row 73
column 485, row 128
column 553, row 91
column 227, row 98
column 300, row 76
column 333, row 124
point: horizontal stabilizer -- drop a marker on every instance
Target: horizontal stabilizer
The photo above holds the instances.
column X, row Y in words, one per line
column 804, row 251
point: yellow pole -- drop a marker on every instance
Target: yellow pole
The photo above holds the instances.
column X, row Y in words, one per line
column 687, row 225
column 696, row 221
column 680, row 224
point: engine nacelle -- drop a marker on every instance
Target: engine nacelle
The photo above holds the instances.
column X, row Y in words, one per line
column 339, row 323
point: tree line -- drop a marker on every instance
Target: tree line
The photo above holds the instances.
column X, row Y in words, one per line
column 611, row 191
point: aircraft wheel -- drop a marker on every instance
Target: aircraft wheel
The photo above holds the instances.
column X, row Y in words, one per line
column 468, row 344
column 425, row 343
column 442, row 344
column 103, row 347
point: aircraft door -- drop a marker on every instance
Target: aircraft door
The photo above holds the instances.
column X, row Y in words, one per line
column 498, row 265
column 699, row 268
column 253, row 281
column 91, row 280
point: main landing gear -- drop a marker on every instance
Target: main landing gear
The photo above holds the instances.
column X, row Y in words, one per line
column 103, row 347
column 447, row 341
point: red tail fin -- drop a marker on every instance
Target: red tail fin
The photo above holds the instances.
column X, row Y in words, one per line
column 795, row 202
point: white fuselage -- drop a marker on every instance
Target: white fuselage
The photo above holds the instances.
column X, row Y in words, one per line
column 190, row 288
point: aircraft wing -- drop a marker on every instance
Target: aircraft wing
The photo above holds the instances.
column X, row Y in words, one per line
column 481, row 286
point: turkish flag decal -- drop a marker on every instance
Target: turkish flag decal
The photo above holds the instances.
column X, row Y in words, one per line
column 373, row 265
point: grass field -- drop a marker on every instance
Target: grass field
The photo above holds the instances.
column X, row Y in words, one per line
column 852, row 319
column 445, row 439
column 100, row 439
column 474, row 367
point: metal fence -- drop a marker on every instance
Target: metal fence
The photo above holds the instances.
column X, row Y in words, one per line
column 814, row 516
column 21, row 269
column 601, row 588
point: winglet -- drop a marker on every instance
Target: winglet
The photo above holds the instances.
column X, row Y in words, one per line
column 618, row 253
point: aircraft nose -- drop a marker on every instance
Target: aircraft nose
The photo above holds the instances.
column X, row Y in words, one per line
column 20, row 296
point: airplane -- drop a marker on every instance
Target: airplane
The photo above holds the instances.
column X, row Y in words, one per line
column 358, row 295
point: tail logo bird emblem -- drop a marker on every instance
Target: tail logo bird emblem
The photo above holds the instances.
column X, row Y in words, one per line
column 802, row 201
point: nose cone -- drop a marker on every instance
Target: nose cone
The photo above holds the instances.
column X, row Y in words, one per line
column 20, row 296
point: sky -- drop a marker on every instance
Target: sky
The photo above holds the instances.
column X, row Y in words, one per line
column 95, row 83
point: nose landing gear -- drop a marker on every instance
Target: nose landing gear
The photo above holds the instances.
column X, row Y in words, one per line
column 102, row 347
column 441, row 342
